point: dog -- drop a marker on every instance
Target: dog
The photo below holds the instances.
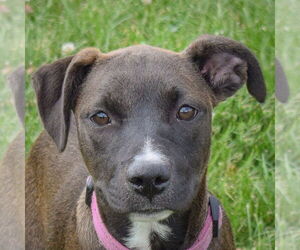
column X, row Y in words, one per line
column 138, row 122
column 12, row 174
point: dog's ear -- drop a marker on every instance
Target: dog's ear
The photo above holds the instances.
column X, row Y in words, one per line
column 55, row 86
column 226, row 65
column 282, row 91
column 16, row 82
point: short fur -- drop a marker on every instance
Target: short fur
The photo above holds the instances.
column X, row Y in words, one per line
column 12, row 189
column 141, row 88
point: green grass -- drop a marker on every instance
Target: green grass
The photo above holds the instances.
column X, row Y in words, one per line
column 241, row 169
column 12, row 38
column 287, row 129
column 288, row 175
column 9, row 124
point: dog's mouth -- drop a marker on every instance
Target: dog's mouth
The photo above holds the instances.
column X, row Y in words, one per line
column 149, row 211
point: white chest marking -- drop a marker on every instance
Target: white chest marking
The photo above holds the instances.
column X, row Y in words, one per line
column 143, row 226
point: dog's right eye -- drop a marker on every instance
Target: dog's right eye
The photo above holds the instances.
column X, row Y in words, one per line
column 101, row 118
column 186, row 113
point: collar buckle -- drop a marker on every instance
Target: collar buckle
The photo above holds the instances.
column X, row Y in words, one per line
column 214, row 209
column 89, row 189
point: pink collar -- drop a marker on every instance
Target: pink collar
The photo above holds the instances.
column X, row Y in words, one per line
column 110, row 243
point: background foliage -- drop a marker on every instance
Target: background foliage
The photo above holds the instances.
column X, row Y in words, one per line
column 12, row 36
column 287, row 128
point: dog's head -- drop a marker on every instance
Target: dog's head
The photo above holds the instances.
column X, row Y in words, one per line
column 143, row 115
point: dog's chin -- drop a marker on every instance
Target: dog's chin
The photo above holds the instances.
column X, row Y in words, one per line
column 128, row 202
column 150, row 216
column 143, row 208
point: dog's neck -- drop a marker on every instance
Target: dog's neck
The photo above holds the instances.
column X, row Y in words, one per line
column 156, row 231
column 177, row 231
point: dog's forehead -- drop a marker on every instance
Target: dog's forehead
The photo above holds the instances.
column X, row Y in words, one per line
column 139, row 73
column 141, row 66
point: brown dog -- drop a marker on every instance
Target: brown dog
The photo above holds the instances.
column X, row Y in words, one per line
column 12, row 175
column 138, row 120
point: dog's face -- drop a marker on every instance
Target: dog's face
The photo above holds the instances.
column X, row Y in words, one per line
column 144, row 112
column 143, row 116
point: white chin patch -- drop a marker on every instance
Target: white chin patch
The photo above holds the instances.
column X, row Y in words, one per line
column 142, row 227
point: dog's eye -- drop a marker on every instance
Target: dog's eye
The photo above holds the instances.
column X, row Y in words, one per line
column 101, row 118
column 186, row 113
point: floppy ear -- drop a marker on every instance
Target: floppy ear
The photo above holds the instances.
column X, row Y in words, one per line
column 16, row 82
column 55, row 86
column 282, row 91
column 226, row 65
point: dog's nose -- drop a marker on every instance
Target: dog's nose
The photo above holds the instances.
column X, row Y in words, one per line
column 149, row 179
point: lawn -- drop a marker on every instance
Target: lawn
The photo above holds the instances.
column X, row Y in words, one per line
column 241, row 168
column 12, row 38
column 287, row 128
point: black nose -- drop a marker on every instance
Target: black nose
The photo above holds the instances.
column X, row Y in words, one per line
column 148, row 179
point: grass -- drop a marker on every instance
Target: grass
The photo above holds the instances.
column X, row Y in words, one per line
column 241, row 169
column 287, row 129
column 8, row 117
column 12, row 38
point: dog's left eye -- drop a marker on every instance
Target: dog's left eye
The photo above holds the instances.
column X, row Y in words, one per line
column 101, row 118
column 186, row 113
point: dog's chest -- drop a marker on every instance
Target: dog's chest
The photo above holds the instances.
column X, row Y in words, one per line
column 141, row 232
